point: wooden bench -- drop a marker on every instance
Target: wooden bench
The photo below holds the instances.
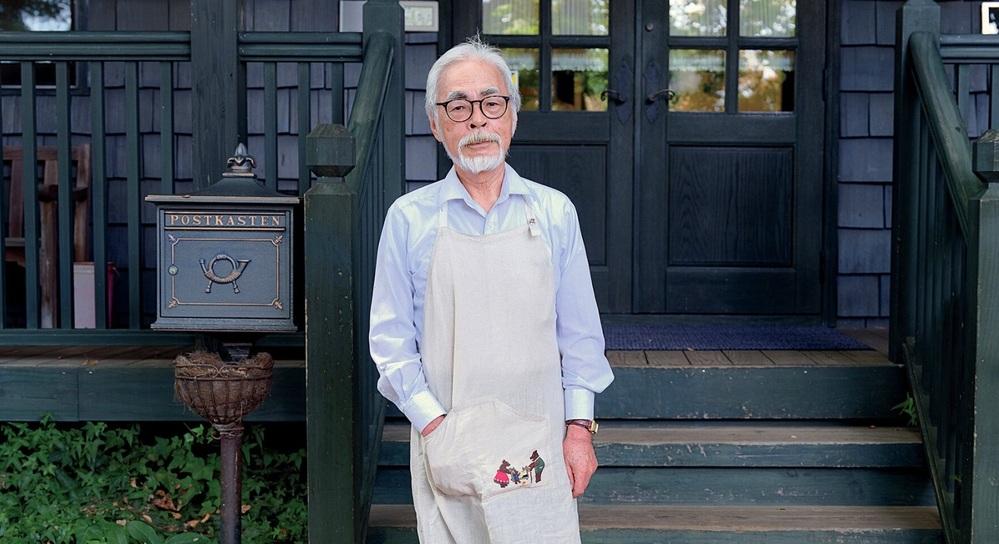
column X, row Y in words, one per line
column 48, row 190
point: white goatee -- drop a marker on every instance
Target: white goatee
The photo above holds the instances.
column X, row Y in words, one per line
column 479, row 163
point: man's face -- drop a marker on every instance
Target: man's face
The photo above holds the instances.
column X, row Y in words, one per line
column 478, row 144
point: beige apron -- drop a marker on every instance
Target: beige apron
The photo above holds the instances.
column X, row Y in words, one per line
column 493, row 472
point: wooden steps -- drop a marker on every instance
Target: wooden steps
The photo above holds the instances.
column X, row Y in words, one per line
column 635, row 524
column 727, row 444
column 726, row 486
column 733, row 447
column 762, row 385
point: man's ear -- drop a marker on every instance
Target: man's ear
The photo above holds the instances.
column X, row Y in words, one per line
column 435, row 129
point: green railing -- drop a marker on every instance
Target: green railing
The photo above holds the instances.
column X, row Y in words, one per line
column 113, row 137
column 47, row 244
column 945, row 296
column 343, row 220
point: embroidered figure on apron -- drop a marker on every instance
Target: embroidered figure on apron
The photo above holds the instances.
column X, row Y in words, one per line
column 490, row 308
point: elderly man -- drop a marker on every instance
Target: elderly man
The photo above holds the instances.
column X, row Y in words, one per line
column 485, row 329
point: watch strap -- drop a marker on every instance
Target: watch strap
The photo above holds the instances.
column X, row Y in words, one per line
column 588, row 424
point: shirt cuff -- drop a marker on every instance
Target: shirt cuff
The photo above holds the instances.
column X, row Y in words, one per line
column 422, row 408
column 578, row 403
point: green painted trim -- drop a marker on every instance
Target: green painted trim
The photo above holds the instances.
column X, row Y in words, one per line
column 367, row 108
column 97, row 46
column 65, row 203
column 219, row 112
column 270, row 126
column 943, row 117
column 125, row 394
column 330, row 235
column 30, row 179
column 166, row 128
column 98, row 188
column 124, row 337
column 133, row 195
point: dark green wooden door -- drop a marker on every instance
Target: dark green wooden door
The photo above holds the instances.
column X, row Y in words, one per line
column 729, row 195
column 572, row 135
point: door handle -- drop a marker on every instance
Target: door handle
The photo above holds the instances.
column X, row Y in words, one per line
column 668, row 93
column 616, row 96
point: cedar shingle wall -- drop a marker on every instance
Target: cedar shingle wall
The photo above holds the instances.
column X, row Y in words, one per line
column 867, row 56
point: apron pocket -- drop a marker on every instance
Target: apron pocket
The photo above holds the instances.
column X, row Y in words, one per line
column 486, row 449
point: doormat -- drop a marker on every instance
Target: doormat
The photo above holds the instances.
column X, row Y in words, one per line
column 671, row 336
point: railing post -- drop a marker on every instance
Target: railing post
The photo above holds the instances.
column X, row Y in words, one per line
column 913, row 16
column 331, row 236
column 218, row 82
column 979, row 521
column 388, row 16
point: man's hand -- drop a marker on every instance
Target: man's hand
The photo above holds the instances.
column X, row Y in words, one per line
column 580, row 459
column 432, row 425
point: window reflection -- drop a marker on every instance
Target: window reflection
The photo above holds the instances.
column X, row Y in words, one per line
column 22, row 15
column 578, row 78
column 580, row 17
column 766, row 81
column 767, row 18
column 698, row 78
column 697, row 17
column 510, row 16
column 524, row 66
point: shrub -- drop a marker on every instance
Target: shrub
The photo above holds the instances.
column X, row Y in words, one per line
column 94, row 483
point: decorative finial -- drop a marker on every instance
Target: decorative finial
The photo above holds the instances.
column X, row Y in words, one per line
column 240, row 164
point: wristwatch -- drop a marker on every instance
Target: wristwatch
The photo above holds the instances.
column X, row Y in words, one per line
column 588, row 424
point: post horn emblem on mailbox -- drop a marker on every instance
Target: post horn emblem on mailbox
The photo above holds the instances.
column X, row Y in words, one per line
column 238, row 266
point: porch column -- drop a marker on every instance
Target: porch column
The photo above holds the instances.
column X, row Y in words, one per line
column 217, row 81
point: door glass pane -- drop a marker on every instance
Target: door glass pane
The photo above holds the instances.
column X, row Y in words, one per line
column 524, row 67
column 697, row 76
column 697, row 17
column 771, row 18
column 766, row 80
column 580, row 17
column 578, row 78
column 510, row 16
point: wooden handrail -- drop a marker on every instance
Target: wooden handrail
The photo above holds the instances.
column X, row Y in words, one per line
column 945, row 288
column 950, row 136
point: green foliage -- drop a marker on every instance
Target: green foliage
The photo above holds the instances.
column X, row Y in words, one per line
column 96, row 484
column 908, row 408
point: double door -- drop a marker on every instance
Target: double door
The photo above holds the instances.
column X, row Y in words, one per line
column 690, row 136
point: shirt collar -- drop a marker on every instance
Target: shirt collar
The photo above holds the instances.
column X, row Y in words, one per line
column 452, row 188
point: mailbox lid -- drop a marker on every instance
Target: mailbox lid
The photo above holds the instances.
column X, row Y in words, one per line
column 225, row 267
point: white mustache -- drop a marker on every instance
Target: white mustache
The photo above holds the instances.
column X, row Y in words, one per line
column 479, row 137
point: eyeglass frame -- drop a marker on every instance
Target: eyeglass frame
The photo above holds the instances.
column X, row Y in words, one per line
column 506, row 103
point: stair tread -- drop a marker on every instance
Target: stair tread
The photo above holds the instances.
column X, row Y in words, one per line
column 664, row 433
column 746, row 358
column 721, row 518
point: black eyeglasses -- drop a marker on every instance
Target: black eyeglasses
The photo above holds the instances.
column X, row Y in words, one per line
column 460, row 110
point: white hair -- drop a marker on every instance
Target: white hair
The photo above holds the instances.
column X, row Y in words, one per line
column 473, row 49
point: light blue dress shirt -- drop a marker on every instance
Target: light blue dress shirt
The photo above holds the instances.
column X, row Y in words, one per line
column 404, row 252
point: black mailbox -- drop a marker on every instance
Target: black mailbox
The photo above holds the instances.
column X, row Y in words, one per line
column 225, row 255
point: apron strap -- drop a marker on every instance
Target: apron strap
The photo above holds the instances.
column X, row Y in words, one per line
column 442, row 214
column 532, row 220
